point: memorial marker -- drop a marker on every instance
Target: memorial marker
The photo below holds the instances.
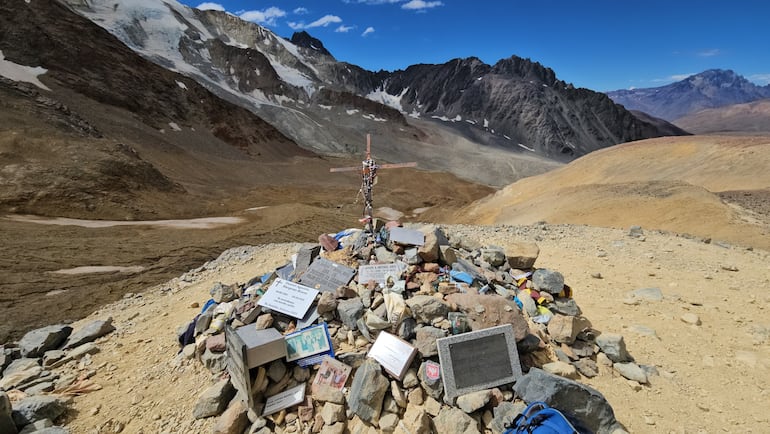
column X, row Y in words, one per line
column 301, row 345
column 236, row 366
column 478, row 360
column 393, row 353
column 332, row 373
column 285, row 399
column 260, row 346
column 325, row 275
column 288, row 298
column 406, row 236
column 380, row 272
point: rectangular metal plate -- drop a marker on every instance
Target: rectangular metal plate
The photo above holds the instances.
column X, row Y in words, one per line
column 407, row 236
column 380, row 272
column 325, row 275
column 478, row 360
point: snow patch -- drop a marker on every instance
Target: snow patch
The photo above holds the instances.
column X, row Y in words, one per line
column 414, row 114
column 508, row 138
column 325, row 107
column 457, row 118
column 174, row 126
column 526, row 147
column 472, row 122
column 372, row 117
column 486, row 123
column 441, row 118
column 351, row 112
column 16, row 72
column 181, row 85
column 381, row 96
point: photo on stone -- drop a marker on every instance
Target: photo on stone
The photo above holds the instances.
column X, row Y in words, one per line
column 307, row 342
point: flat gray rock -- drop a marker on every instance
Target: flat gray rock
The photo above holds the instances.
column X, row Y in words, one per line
column 89, row 333
column 213, row 401
column 34, row 408
column 36, row 342
column 367, row 391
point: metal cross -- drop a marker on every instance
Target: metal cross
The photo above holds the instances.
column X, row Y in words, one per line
column 368, row 171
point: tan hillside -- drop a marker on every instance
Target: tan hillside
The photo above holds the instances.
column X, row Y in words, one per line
column 709, row 186
column 749, row 118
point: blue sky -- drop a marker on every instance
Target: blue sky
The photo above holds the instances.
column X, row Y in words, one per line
column 598, row 44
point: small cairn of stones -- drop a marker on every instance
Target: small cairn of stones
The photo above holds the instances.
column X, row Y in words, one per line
column 444, row 277
column 33, row 392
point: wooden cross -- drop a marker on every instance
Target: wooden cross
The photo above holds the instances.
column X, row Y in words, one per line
column 368, row 171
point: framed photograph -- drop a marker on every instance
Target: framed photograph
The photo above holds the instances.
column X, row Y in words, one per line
column 332, row 373
column 307, row 342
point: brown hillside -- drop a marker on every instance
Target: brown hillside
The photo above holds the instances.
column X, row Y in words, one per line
column 749, row 118
column 712, row 187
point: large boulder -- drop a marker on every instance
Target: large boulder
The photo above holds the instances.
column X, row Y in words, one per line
column 367, row 391
column 485, row 311
column 89, row 333
column 584, row 405
column 36, row 342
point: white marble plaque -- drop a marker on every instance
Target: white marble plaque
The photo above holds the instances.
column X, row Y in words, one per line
column 285, row 399
column 288, row 298
column 380, row 272
column 393, row 353
column 407, row 236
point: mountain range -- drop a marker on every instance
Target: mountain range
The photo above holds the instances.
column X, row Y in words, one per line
column 710, row 89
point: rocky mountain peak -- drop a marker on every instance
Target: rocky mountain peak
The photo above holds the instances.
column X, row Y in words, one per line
column 304, row 39
column 518, row 67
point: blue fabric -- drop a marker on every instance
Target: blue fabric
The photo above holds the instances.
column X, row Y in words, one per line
column 539, row 418
column 461, row 276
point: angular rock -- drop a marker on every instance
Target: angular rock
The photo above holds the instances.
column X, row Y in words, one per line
column 20, row 365
column 447, row 255
column 264, row 321
column 493, row 255
column 587, row 367
column 89, row 333
column 328, row 242
column 406, row 330
column 631, row 371
column 521, row 255
column 433, row 388
column 426, row 308
column 329, row 394
column 497, row 310
column 415, row 421
column 222, row 293
column 388, row 422
column 6, row 421
column 504, row 414
column 473, row 401
column 614, row 347
column 20, row 377
column 34, row 408
column 565, row 329
column 327, row 302
column 565, row 306
column 547, row 280
column 36, row 342
column 216, row 343
column 214, row 362
column 305, row 257
column 332, row 413
column 337, row 428
column 367, row 391
column 429, row 251
column 425, row 342
column 398, row 394
column 214, row 400
column 276, row 371
column 384, row 255
column 234, row 420
column 561, row 369
column 585, row 405
column 649, row 294
column 350, row 311
column 452, row 420
column 690, row 318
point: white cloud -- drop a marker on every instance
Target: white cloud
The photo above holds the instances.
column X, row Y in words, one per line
column 760, row 78
column 419, row 5
column 208, row 6
column 324, row 21
column 266, row 17
column 344, row 29
column 373, row 2
column 710, row 53
column 368, row 31
column 300, row 11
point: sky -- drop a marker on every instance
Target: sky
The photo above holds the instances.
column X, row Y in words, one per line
column 602, row 45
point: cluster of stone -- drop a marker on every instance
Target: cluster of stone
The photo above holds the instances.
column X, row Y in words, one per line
column 443, row 286
column 33, row 391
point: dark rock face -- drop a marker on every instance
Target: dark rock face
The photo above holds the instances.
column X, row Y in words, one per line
column 709, row 89
column 303, row 39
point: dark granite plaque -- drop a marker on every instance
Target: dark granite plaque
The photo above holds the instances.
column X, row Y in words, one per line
column 478, row 360
column 325, row 275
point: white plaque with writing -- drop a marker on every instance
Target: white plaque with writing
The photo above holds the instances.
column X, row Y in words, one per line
column 289, row 298
column 407, row 236
column 380, row 272
column 393, row 353
column 285, row 399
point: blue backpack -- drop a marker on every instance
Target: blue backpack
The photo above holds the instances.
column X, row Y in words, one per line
column 539, row 418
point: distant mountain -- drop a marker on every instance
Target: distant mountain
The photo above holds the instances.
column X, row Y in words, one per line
column 517, row 104
column 749, row 118
column 709, row 89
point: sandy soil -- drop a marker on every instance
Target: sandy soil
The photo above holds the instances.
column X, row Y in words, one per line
column 713, row 377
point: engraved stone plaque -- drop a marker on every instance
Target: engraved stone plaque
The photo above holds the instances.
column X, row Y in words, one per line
column 478, row 360
column 325, row 275
column 379, row 272
column 407, row 236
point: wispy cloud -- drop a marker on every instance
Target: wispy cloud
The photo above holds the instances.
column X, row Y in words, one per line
column 208, row 6
column 372, row 2
column 709, row 53
column 760, row 78
column 421, row 5
column 671, row 78
column 265, row 17
column 324, row 21
column 368, row 31
column 301, row 11
column 344, row 29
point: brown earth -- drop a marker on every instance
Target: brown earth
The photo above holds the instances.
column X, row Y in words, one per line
column 707, row 186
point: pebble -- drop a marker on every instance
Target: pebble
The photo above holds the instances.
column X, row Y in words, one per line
column 691, row 318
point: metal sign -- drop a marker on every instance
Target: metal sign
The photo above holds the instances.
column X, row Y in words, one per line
column 325, row 275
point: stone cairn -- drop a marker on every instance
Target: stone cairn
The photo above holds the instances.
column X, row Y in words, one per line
column 446, row 275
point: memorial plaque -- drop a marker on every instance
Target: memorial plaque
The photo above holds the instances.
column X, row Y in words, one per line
column 285, row 399
column 407, row 236
column 478, row 360
column 308, row 342
column 236, row 366
column 393, row 353
column 261, row 346
column 380, row 272
column 325, row 275
column 288, row 298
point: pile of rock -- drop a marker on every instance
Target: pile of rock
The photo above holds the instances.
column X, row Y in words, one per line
column 32, row 394
column 438, row 286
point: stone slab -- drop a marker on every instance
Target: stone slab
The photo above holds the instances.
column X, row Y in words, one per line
column 326, row 275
